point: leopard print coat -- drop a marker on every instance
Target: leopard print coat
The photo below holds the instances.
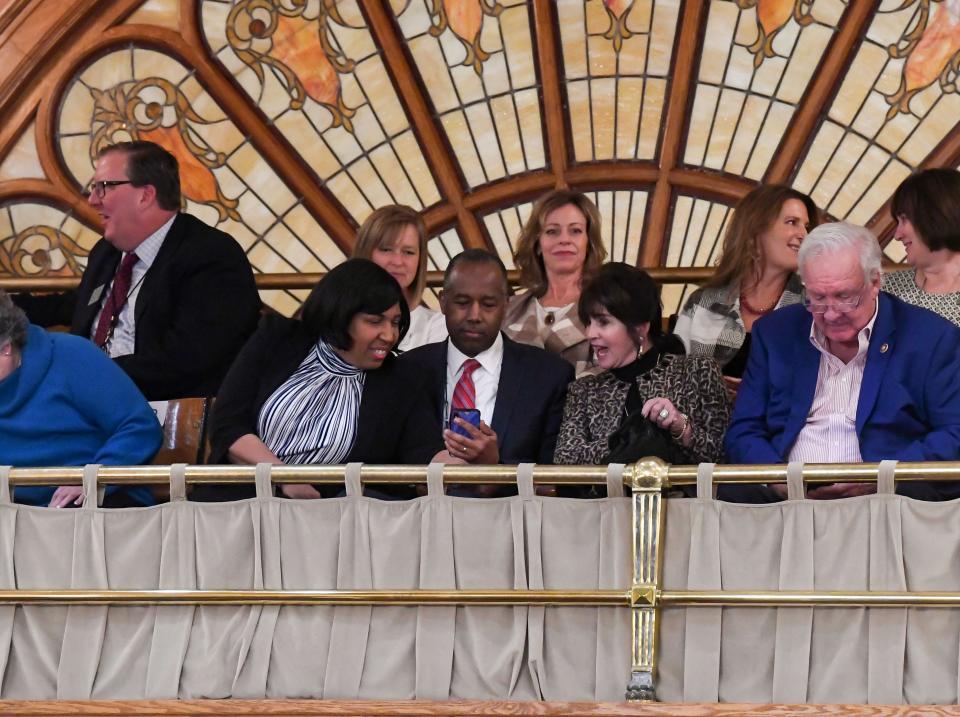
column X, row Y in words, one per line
column 595, row 408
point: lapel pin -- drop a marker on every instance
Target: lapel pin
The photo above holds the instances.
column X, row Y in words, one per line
column 884, row 347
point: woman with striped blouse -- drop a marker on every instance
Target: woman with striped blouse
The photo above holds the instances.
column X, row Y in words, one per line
column 326, row 388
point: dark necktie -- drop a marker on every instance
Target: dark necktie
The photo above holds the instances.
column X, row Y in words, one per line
column 115, row 301
column 465, row 393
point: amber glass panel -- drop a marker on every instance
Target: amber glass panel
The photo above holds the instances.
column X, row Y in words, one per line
column 476, row 62
column 696, row 238
column 757, row 61
column 897, row 102
column 137, row 93
column 616, row 58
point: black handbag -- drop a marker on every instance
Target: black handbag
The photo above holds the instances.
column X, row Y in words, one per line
column 639, row 437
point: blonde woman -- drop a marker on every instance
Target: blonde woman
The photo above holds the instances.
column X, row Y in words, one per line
column 559, row 249
column 395, row 239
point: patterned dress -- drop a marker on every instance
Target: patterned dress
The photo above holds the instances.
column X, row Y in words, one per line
column 903, row 285
column 527, row 323
column 596, row 407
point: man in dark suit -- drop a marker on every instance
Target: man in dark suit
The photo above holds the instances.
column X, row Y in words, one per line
column 852, row 374
column 520, row 390
column 169, row 298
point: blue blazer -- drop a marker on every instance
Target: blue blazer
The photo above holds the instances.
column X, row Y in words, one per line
column 530, row 397
column 909, row 407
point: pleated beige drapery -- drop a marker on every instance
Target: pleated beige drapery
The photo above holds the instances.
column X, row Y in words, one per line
column 428, row 652
column 881, row 542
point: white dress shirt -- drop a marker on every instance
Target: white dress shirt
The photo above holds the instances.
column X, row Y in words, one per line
column 486, row 378
column 426, row 327
column 830, row 433
column 122, row 341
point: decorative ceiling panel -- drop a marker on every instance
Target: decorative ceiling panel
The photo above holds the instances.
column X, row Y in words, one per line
column 441, row 249
column 475, row 60
column 616, row 57
column 316, row 73
column 897, row 102
column 40, row 240
column 137, row 93
column 758, row 58
column 696, row 239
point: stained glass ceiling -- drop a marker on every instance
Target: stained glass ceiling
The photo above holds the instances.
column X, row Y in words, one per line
column 294, row 119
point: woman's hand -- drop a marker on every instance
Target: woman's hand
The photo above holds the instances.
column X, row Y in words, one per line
column 661, row 411
column 479, row 447
column 302, row 491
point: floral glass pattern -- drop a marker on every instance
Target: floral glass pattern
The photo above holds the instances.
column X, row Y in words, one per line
column 38, row 240
column 139, row 93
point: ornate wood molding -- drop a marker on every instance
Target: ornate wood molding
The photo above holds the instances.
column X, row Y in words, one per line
column 549, row 59
column 686, row 52
column 438, row 155
column 826, row 82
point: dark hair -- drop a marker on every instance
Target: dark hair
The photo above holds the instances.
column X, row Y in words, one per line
column 527, row 257
column 13, row 322
column 626, row 293
column 741, row 261
column 149, row 163
column 930, row 199
column 357, row 286
column 476, row 256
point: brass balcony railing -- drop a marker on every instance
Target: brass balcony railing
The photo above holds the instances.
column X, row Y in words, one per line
column 648, row 479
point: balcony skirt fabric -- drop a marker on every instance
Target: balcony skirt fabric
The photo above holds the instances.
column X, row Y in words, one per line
column 881, row 542
column 429, row 652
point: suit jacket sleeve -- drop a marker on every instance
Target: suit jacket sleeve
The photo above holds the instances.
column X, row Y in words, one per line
column 942, row 401
column 238, row 401
column 748, row 439
column 214, row 309
column 554, row 414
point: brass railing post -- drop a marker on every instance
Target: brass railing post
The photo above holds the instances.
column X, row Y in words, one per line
column 649, row 476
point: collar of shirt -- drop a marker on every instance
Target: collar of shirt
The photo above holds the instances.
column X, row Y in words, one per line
column 149, row 248
column 486, row 378
column 863, row 337
column 490, row 359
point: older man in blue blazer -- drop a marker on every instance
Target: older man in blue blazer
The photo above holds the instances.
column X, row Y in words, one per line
column 852, row 374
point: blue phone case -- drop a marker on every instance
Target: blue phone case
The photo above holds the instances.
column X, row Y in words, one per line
column 470, row 415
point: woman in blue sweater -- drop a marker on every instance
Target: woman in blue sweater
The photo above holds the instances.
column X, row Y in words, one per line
column 63, row 402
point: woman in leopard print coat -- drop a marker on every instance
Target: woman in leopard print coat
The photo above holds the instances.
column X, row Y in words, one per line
column 685, row 395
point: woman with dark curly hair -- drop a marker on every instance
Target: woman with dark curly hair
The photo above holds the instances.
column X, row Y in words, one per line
column 648, row 387
column 559, row 249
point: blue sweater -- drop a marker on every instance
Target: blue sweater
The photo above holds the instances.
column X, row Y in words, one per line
column 68, row 405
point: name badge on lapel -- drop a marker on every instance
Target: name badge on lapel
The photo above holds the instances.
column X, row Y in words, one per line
column 95, row 296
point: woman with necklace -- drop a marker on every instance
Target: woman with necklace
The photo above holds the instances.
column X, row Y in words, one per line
column 927, row 209
column 756, row 273
column 559, row 248
column 650, row 398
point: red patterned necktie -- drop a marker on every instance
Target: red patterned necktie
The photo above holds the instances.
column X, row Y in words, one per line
column 116, row 300
column 465, row 393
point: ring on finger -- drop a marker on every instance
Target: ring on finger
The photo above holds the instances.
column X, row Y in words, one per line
column 664, row 414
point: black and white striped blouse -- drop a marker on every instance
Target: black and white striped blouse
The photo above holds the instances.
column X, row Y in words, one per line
column 312, row 416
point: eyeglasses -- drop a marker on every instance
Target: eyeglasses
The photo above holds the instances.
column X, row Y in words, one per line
column 100, row 188
column 841, row 306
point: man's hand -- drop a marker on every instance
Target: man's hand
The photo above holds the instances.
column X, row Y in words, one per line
column 479, row 447
column 66, row 496
column 841, row 490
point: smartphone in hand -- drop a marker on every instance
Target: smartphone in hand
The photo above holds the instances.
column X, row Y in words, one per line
column 470, row 415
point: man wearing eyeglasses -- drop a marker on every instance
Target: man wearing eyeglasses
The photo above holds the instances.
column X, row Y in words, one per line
column 850, row 375
column 169, row 298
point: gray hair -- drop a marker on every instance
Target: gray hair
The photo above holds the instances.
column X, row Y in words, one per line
column 837, row 236
column 13, row 323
